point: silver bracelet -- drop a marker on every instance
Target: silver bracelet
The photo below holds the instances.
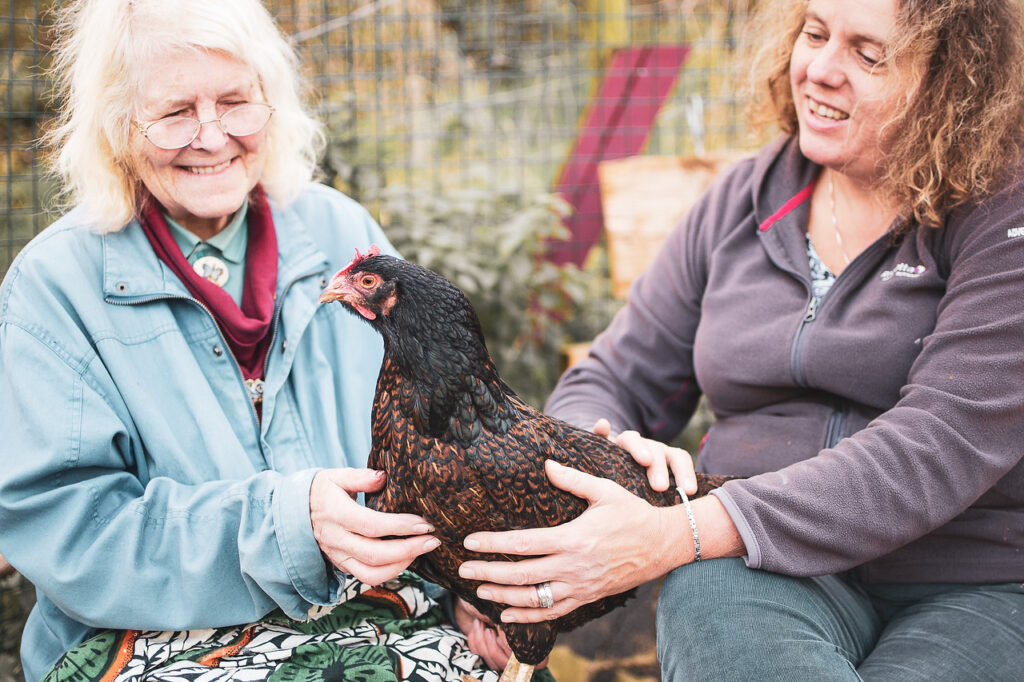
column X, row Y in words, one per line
column 693, row 524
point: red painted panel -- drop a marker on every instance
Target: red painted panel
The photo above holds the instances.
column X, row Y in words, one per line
column 617, row 123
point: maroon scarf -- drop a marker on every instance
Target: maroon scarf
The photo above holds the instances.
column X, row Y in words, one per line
column 247, row 330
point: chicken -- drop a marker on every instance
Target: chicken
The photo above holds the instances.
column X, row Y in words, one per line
column 460, row 447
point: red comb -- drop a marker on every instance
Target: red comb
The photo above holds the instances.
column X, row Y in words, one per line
column 360, row 257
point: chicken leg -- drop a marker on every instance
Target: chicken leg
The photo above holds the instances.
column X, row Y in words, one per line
column 514, row 672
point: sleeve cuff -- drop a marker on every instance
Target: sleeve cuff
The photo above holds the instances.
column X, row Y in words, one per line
column 753, row 556
column 305, row 565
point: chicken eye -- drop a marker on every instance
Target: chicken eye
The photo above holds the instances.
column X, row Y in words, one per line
column 368, row 281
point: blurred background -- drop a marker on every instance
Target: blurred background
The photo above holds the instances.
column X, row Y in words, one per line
column 473, row 131
column 480, row 135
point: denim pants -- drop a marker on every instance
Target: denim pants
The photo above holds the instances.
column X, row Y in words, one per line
column 719, row 620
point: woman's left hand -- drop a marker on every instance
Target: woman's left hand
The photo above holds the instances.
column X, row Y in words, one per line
column 615, row 545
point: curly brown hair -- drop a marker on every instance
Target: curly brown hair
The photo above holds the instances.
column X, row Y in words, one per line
column 958, row 132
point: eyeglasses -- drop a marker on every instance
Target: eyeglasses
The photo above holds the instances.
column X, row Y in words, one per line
column 179, row 131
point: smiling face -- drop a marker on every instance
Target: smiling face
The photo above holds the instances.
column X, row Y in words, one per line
column 203, row 184
column 843, row 88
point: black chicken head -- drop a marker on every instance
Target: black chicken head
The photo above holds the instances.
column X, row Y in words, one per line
column 366, row 292
column 401, row 300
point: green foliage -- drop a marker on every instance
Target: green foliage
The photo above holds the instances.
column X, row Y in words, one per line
column 492, row 246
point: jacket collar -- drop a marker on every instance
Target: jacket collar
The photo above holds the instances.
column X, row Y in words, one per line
column 298, row 253
column 783, row 182
column 132, row 272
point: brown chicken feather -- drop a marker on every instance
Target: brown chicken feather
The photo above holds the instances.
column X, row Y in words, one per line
column 460, row 448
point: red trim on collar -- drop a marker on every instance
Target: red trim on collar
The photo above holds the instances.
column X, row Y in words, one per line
column 799, row 198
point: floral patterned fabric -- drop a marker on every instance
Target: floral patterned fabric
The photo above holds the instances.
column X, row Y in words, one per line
column 822, row 278
column 376, row 634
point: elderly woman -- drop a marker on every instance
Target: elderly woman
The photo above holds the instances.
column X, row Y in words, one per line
column 183, row 427
column 849, row 301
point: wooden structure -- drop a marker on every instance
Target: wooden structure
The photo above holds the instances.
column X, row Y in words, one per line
column 643, row 198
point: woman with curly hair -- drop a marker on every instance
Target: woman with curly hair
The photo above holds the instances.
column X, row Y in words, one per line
column 849, row 302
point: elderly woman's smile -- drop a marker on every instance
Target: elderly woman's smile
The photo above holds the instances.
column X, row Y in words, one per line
column 206, row 170
column 204, row 182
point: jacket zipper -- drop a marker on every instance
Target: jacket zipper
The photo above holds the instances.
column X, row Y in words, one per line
column 810, row 314
column 274, row 324
column 837, row 423
column 837, row 420
column 796, row 356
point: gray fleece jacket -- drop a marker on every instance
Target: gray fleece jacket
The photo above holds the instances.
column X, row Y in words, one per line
column 883, row 431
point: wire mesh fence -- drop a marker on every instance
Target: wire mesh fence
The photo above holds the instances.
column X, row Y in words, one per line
column 520, row 97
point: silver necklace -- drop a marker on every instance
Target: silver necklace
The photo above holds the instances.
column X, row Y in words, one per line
column 835, row 223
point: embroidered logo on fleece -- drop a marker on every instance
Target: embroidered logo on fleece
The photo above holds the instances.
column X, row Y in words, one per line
column 903, row 270
column 1015, row 232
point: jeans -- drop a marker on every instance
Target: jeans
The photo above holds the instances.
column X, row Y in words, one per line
column 719, row 620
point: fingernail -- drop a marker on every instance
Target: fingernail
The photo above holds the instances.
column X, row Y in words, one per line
column 484, row 593
column 507, row 617
column 431, row 544
column 423, row 528
column 471, row 543
column 379, row 473
column 466, row 572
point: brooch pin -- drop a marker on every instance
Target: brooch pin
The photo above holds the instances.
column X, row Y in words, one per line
column 255, row 389
column 213, row 269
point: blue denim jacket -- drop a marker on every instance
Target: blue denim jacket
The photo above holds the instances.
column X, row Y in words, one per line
column 137, row 488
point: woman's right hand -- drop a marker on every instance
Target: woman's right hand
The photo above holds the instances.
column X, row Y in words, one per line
column 352, row 537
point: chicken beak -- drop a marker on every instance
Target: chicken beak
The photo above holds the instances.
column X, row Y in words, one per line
column 339, row 290
column 336, row 290
column 328, row 295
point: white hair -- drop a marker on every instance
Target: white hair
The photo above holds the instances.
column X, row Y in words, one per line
column 101, row 47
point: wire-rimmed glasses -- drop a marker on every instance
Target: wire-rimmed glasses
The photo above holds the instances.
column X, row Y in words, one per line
column 176, row 132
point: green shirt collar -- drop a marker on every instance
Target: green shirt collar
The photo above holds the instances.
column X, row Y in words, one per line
column 230, row 242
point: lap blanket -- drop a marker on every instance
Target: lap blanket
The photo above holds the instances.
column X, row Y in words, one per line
column 375, row 634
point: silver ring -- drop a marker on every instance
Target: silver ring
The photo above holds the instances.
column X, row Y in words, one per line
column 544, row 596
